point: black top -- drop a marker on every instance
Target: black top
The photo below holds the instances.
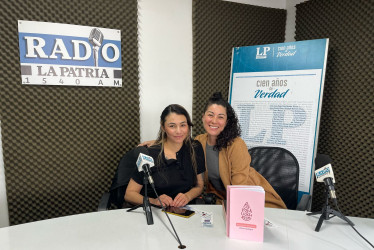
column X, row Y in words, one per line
column 173, row 176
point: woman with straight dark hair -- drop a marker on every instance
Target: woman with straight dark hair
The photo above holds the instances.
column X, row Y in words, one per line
column 179, row 162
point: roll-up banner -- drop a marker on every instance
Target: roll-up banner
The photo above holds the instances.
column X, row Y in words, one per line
column 276, row 91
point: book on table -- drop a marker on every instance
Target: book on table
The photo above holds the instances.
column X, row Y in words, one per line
column 244, row 209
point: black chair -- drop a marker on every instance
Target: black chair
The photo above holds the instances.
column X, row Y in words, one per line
column 114, row 198
column 281, row 169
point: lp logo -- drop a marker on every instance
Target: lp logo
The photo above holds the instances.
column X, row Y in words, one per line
column 262, row 54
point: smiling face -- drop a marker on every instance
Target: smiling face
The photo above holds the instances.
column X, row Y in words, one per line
column 214, row 120
column 176, row 128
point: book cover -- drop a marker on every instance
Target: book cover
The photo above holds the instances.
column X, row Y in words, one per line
column 245, row 212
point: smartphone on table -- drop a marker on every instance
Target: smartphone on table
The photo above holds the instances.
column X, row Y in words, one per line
column 179, row 211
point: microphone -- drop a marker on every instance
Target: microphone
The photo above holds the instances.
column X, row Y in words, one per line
column 325, row 174
column 96, row 39
column 144, row 163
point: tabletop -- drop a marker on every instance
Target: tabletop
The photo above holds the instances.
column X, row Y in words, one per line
column 118, row 229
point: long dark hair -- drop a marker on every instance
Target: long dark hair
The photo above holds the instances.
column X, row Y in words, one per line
column 232, row 128
column 162, row 137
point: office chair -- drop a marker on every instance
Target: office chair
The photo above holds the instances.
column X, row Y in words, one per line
column 114, row 198
column 281, row 169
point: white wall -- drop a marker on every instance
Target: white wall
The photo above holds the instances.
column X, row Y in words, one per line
column 279, row 4
column 291, row 19
column 4, row 221
column 289, row 5
column 165, row 53
column 165, row 63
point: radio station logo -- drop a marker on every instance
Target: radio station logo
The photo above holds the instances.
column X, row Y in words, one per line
column 324, row 172
column 70, row 55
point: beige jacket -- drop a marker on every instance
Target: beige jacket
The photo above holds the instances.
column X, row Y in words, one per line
column 235, row 169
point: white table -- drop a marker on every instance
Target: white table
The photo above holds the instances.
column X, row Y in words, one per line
column 118, row 229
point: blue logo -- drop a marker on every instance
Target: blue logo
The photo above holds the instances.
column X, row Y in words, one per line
column 147, row 158
column 69, row 50
column 323, row 172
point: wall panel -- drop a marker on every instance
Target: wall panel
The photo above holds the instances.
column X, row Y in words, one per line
column 218, row 26
column 61, row 144
column 346, row 129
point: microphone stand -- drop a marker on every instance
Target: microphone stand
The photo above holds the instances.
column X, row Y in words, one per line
column 328, row 213
column 146, row 204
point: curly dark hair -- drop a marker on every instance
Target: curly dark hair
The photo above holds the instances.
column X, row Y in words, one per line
column 232, row 128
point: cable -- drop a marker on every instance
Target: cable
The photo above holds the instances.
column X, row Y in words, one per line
column 356, row 230
column 181, row 246
column 362, row 237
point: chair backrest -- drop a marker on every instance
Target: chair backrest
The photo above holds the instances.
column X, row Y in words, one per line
column 280, row 168
column 124, row 172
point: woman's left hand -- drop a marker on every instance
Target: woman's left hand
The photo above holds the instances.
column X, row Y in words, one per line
column 180, row 200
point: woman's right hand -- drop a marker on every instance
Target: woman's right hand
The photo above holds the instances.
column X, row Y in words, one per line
column 147, row 143
column 166, row 201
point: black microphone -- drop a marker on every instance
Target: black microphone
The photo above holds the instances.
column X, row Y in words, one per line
column 144, row 163
column 325, row 174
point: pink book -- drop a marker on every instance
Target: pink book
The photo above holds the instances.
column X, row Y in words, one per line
column 245, row 212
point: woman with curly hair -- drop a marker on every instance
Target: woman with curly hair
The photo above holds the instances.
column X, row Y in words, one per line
column 226, row 154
